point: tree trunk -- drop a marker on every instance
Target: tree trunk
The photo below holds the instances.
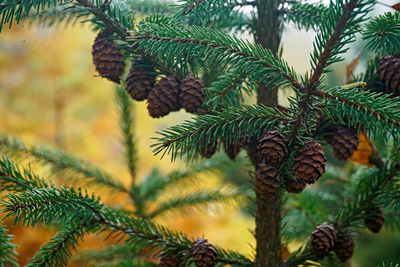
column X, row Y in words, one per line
column 268, row 213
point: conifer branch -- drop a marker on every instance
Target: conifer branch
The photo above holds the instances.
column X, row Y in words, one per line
column 76, row 168
column 108, row 254
column 198, row 133
column 126, row 123
column 335, row 32
column 383, row 33
column 54, row 204
column 58, row 250
column 14, row 179
column 7, row 250
column 372, row 112
column 50, row 204
column 305, row 15
column 227, row 91
column 18, row 10
column 194, row 200
column 259, row 64
column 107, row 20
column 156, row 183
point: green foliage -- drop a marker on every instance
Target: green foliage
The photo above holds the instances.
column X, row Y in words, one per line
column 109, row 254
column 382, row 33
column 47, row 205
column 18, row 10
column 336, row 31
column 73, row 168
column 193, row 200
column 7, row 250
column 166, row 40
column 126, row 122
column 149, row 7
column 305, row 15
column 203, row 131
column 13, row 179
column 59, row 249
column 227, row 91
column 374, row 113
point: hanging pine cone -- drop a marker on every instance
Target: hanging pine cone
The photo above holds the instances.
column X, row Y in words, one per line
column 267, row 182
column 344, row 247
column 389, row 73
column 209, row 150
column 140, row 80
column 344, row 142
column 295, row 186
column 168, row 261
column 309, row 162
column 192, row 94
column 203, row 253
column 164, row 97
column 374, row 219
column 272, row 148
column 107, row 58
column 232, row 150
column 323, row 239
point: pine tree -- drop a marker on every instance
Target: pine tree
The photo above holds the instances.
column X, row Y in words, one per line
column 192, row 39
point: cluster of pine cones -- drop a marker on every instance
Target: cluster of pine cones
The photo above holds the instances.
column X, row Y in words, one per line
column 309, row 160
column 326, row 238
column 203, row 255
column 166, row 95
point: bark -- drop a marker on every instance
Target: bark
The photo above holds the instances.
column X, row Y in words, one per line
column 268, row 213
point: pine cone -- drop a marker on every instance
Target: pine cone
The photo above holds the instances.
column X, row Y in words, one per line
column 192, row 94
column 272, row 148
column 389, row 73
column 323, row 239
column 295, row 186
column 232, row 150
column 344, row 142
column 309, row 162
column 267, row 182
column 209, row 150
column 203, row 253
column 375, row 219
column 344, row 247
column 164, row 97
column 107, row 58
column 140, row 80
column 168, row 261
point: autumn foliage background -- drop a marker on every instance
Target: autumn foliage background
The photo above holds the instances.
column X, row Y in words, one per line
column 50, row 93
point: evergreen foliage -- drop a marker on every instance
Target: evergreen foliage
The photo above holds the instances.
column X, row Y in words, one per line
column 194, row 38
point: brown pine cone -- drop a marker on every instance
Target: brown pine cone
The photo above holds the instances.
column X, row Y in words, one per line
column 192, row 94
column 107, row 58
column 164, row 97
column 344, row 247
column 295, row 186
column 309, row 162
column 203, row 253
column 344, row 142
column 140, row 80
column 272, row 148
column 209, row 150
column 323, row 239
column 232, row 150
column 267, row 182
column 168, row 261
column 389, row 73
column 374, row 219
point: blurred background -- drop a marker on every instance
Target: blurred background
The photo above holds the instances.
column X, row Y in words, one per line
column 50, row 93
